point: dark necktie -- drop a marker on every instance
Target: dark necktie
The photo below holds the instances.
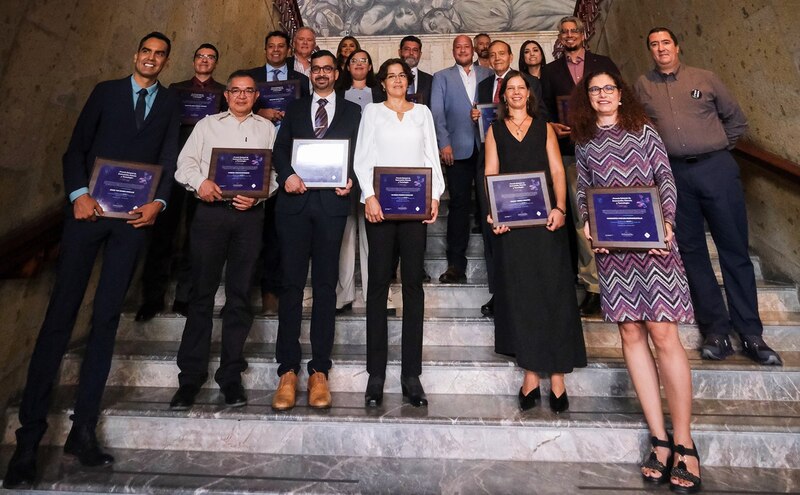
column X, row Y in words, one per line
column 140, row 107
column 321, row 119
column 497, row 91
column 275, row 73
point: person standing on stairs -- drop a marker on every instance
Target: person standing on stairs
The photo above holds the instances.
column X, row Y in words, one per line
column 700, row 122
column 225, row 233
column 130, row 119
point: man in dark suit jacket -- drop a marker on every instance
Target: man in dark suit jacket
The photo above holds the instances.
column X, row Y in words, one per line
column 310, row 226
column 411, row 51
column 277, row 68
column 130, row 119
column 559, row 77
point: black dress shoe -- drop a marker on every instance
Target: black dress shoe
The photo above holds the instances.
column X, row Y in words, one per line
column 413, row 391
column 756, row 349
column 452, row 276
column 488, row 308
column 425, row 277
column 373, row 397
column 21, row 471
column 590, row 305
column 148, row 310
column 82, row 443
column 347, row 308
column 181, row 307
column 184, row 397
column 559, row 404
column 529, row 401
column 716, row 347
column 234, row 395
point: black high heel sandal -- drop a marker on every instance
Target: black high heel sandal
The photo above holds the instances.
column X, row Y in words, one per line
column 682, row 473
column 653, row 463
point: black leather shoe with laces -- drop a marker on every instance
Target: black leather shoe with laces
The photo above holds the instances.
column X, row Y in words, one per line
column 756, row 349
column 716, row 347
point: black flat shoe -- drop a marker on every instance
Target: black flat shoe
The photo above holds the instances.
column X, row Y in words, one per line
column 653, row 463
column 184, row 398
column 682, row 473
column 181, row 308
column 413, row 391
column 347, row 308
column 234, row 395
column 716, row 347
column 82, row 443
column 148, row 311
column 756, row 349
column 488, row 308
column 529, row 401
column 559, row 404
column 21, row 472
column 373, row 397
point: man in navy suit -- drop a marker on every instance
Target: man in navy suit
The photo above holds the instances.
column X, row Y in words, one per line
column 559, row 77
column 453, row 95
column 129, row 119
column 277, row 68
column 310, row 227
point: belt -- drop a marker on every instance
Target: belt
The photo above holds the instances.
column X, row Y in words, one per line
column 218, row 204
column 692, row 158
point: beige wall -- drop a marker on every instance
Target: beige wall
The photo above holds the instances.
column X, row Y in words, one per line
column 54, row 51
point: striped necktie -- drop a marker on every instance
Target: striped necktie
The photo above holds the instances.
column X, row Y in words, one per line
column 321, row 119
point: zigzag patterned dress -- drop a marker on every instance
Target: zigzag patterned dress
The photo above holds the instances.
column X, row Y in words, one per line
column 634, row 285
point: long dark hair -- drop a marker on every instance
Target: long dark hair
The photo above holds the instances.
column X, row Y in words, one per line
column 523, row 67
column 631, row 114
column 502, row 107
column 345, row 80
column 341, row 59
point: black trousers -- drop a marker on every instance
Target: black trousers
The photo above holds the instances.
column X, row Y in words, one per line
column 711, row 189
column 80, row 244
column 221, row 236
column 382, row 237
column 169, row 235
column 461, row 179
column 487, row 235
column 312, row 234
column 271, row 274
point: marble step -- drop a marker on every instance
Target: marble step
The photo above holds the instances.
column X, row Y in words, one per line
column 460, row 327
column 729, row 433
column 453, row 370
column 186, row 472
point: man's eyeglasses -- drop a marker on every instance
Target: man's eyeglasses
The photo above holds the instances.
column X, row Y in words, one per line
column 239, row 91
column 354, row 61
column 205, row 57
column 571, row 31
column 607, row 89
column 325, row 69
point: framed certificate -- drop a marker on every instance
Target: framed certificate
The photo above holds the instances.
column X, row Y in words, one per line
column 196, row 104
column 119, row 187
column 518, row 200
column 562, row 104
column 488, row 115
column 277, row 94
column 626, row 218
column 321, row 163
column 243, row 171
column 404, row 192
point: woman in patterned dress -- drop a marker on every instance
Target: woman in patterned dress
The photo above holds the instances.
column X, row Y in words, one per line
column 646, row 293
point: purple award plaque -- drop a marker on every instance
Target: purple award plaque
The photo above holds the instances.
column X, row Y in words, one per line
column 196, row 104
column 244, row 171
column 404, row 192
column 488, row 115
column 518, row 200
column 626, row 218
column 120, row 187
column 277, row 95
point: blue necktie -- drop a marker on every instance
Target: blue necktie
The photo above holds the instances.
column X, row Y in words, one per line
column 275, row 73
column 140, row 107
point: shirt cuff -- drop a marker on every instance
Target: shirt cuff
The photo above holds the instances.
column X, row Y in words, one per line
column 77, row 193
column 163, row 203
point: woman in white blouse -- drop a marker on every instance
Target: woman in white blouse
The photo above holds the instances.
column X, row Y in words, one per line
column 395, row 133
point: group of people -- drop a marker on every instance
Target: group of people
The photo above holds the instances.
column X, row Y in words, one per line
column 672, row 130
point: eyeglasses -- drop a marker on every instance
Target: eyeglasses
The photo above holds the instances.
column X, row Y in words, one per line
column 354, row 61
column 206, row 57
column 571, row 31
column 392, row 77
column 325, row 69
column 607, row 89
column 239, row 91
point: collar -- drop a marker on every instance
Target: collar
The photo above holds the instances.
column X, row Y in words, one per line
column 504, row 74
column 282, row 69
column 464, row 71
column 674, row 73
column 150, row 89
column 227, row 113
column 203, row 84
column 331, row 98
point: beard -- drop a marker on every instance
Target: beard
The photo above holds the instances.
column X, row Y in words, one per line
column 411, row 61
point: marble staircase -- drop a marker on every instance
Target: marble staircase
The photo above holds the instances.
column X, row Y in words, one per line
column 471, row 439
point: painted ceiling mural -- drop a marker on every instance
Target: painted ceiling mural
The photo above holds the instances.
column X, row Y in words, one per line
column 379, row 17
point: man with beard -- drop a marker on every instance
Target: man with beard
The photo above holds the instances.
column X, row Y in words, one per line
column 481, row 47
column 411, row 51
column 559, row 77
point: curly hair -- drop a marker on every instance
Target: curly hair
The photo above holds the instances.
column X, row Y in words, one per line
column 583, row 118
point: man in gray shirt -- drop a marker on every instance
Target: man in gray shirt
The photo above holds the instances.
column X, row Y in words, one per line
column 699, row 121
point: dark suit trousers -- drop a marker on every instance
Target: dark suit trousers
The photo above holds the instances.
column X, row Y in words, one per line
column 382, row 237
column 80, row 243
column 461, row 176
column 221, row 236
column 486, row 229
column 711, row 189
column 312, row 234
column 271, row 275
column 167, row 236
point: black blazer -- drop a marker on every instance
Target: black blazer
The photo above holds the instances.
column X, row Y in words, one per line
column 106, row 127
column 297, row 124
column 486, row 95
column 557, row 81
column 423, row 86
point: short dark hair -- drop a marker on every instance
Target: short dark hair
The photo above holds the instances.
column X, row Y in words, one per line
column 239, row 73
column 323, row 53
column 411, row 38
column 384, row 70
column 480, row 35
column 280, row 34
column 208, row 46
column 661, row 30
column 157, row 35
column 495, row 42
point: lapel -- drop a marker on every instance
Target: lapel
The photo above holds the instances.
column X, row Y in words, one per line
column 306, row 121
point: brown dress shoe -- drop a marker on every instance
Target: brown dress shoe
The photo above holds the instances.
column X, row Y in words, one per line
column 319, row 396
column 269, row 304
column 287, row 391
